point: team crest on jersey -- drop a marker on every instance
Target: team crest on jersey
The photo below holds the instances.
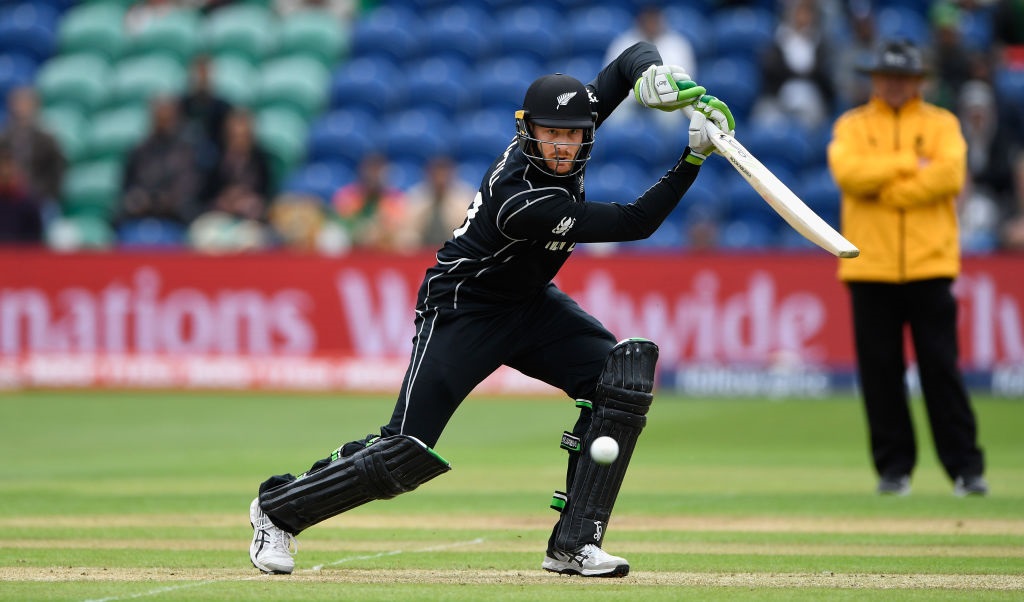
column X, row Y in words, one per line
column 563, row 99
column 563, row 226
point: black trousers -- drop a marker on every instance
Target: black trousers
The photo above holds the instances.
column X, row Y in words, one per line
column 549, row 338
column 881, row 311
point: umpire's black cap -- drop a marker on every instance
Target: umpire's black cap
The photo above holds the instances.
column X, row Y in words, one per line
column 897, row 57
column 559, row 101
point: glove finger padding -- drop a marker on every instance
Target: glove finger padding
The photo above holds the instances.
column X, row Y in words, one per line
column 708, row 108
column 667, row 88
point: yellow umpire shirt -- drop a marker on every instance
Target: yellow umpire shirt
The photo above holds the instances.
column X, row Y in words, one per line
column 899, row 173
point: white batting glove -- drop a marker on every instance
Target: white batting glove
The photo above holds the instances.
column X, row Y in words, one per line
column 708, row 107
column 667, row 88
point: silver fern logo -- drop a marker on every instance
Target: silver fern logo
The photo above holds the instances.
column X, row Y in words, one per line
column 563, row 99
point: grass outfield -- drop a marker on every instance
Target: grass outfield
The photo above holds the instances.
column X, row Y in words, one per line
column 144, row 496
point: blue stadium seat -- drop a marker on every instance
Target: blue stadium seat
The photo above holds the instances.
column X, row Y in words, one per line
column 502, row 83
column 28, row 29
column 483, row 135
column 788, row 145
column 1009, row 85
column 404, row 173
column 819, row 191
column 746, row 235
column 439, row 83
column 584, row 67
column 615, row 182
column 343, row 136
column 387, row 31
column 320, row 179
column 743, row 203
column 591, row 29
column 976, row 29
column 693, row 23
column 736, row 80
column 530, row 30
column 473, row 171
column 16, row 71
column 369, row 83
column 150, row 233
column 741, row 31
column 416, row 135
column 636, row 142
column 459, row 30
column 903, row 22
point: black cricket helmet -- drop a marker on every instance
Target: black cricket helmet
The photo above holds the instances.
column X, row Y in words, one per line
column 556, row 101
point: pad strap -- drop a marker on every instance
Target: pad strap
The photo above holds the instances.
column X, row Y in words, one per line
column 386, row 467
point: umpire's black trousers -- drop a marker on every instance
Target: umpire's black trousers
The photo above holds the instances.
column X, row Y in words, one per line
column 880, row 313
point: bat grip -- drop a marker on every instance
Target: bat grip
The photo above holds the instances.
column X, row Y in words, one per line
column 710, row 128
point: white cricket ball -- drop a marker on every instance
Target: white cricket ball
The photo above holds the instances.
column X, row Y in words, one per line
column 604, row 450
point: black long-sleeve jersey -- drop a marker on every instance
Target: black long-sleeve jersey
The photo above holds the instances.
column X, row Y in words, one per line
column 524, row 223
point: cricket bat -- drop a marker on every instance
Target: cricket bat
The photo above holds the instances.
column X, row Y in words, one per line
column 796, row 213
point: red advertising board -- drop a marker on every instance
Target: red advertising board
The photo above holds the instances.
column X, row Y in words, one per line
column 284, row 320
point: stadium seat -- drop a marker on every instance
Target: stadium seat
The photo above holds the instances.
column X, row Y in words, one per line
column 404, row 173
column 314, row 33
column 502, row 83
column 319, row 179
column 530, row 30
column 694, row 23
column 82, row 80
column 369, row 84
column 741, row 32
column 68, row 125
column 789, row 144
column 29, row 30
column 615, row 182
column 1009, row 85
column 112, row 133
column 388, row 31
column 459, row 30
column 819, row 191
column 283, row 133
column 743, row 203
column 746, row 235
column 246, row 30
column 735, row 79
column 16, row 71
column 176, row 33
column 343, row 136
column 296, row 82
column 150, row 233
column 138, row 79
column 482, row 135
column 416, row 135
column 233, row 79
column 592, row 29
column 584, row 67
column 93, row 189
column 638, row 142
column 94, row 27
column 441, row 84
column 77, row 232
column 903, row 22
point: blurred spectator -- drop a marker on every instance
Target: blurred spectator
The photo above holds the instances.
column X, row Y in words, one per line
column 797, row 81
column 1012, row 232
column 952, row 59
column 650, row 25
column 852, row 86
column 342, row 10
column 300, row 223
column 140, row 14
column 204, row 113
column 161, row 179
column 20, row 218
column 371, row 210
column 240, row 182
column 435, row 207
column 1008, row 32
column 35, row 150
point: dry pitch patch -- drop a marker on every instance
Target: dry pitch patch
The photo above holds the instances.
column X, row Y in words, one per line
column 195, row 577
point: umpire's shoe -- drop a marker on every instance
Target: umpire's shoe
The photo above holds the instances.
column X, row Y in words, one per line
column 588, row 561
column 272, row 548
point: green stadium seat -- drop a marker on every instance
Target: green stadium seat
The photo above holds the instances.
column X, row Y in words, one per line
column 233, row 79
column 282, row 132
column 176, row 33
column 246, row 30
column 95, row 27
column 138, row 79
column 77, row 232
column 299, row 83
column 315, row 33
column 93, row 189
column 112, row 133
column 79, row 79
column 68, row 125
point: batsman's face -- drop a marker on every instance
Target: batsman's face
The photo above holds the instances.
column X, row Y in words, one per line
column 896, row 90
column 559, row 147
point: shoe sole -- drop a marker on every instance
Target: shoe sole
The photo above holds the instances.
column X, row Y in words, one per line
column 620, row 571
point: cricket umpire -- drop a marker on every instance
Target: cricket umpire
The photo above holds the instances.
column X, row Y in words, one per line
column 900, row 162
column 489, row 301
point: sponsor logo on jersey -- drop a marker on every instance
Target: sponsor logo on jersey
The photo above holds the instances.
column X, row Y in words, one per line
column 563, row 99
column 563, row 226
